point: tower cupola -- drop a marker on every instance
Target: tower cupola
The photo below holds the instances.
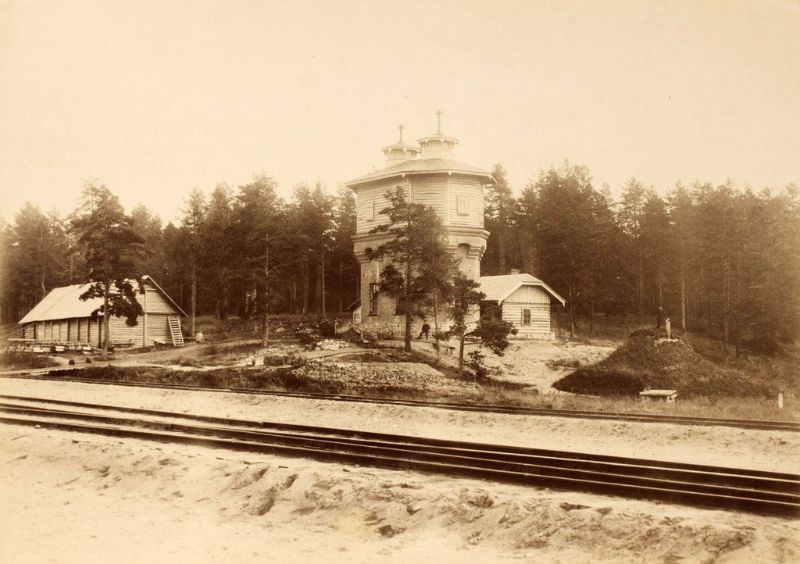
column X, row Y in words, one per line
column 400, row 151
column 438, row 145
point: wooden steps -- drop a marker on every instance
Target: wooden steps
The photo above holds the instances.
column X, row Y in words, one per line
column 175, row 331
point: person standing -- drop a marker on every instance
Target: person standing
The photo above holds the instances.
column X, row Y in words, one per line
column 424, row 331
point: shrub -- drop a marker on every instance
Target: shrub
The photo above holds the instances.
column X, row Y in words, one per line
column 494, row 333
column 650, row 332
column 12, row 359
column 763, row 345
column 476, row 363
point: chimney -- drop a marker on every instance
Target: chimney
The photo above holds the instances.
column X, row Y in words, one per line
column 514, row 271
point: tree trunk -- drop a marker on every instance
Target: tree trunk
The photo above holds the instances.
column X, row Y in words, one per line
column 461, row 350
column 659, row 284
column 501, row 251
column 265, row 339
column 193, row 305
column 106, row 321
column 407, row 307
column 323, row 306
column 726, row 292
column 640, row 287
column 339, row 290
column 436, row 326
column 293, row 292
column 683, row 296
column 43, row 281
column 306, row 287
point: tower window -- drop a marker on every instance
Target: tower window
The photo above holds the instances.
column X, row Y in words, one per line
column 371, row 210
column 462, row 205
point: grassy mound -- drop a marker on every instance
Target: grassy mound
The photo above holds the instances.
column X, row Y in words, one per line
column 647, row 361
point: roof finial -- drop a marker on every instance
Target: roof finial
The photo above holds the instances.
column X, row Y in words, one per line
column 400, row 128
column 439, row 122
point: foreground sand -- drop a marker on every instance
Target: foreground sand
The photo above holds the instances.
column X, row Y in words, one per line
column 69, row 497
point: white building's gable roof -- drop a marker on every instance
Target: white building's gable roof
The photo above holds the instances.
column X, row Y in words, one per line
column 498, row 288
column 65, row 303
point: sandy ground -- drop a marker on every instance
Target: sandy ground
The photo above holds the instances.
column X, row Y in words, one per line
column 69, row 497
column 531, row 362
column 528, row 362
column 766, row 450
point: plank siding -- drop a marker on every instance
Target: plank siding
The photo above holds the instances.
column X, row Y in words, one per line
column 470, row 192
column 431, row 191
column 537, row 301
column 368, row 197
column 94, row 331
column 122, row 334
column 158, row 329
column 156, row 302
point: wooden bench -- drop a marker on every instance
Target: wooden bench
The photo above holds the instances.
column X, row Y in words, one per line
column 668, row 396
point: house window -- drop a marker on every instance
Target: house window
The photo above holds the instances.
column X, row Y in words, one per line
column 462, row 204
column 526, row 318
column 374, row 289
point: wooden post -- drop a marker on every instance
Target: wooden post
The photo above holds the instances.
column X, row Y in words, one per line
column 144, row 317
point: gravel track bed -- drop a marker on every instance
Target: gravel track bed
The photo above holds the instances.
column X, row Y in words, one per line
column 743, row 448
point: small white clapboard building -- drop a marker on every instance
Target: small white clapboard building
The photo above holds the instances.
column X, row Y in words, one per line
column 522, row 300
column 63, row 318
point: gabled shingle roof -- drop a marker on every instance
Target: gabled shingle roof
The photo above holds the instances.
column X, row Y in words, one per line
column 498, row 288
column 421, row 166
column 65, row 303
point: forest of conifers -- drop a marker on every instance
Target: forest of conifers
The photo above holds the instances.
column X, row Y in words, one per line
column 720, row 259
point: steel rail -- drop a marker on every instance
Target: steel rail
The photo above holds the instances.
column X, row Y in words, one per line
column 758, row 491
column 754, row 424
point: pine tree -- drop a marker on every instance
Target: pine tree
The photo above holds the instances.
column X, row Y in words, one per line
column 220, row 250
column 192, row 225
column 111, row 249
column 499, row 213
column 344, row 261
column 415, row 234
column 466, row 297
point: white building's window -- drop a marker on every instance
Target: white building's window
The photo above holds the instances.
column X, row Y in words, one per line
column 371, row 211
column 526, row 317
column 462, row 204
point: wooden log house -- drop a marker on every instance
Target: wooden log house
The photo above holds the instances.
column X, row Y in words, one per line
column 62, row 318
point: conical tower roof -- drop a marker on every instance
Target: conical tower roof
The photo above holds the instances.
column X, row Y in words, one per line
column 432, row 156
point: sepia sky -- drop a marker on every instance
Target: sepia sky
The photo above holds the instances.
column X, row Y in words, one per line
column 154, row 98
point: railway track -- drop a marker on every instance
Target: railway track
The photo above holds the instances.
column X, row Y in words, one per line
column 719, row 487
column 756, row 424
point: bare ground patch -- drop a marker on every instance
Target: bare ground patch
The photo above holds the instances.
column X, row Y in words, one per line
column 80, row 495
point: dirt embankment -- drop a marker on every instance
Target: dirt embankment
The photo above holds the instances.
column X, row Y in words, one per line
column 650, row 362
column 367, row 378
